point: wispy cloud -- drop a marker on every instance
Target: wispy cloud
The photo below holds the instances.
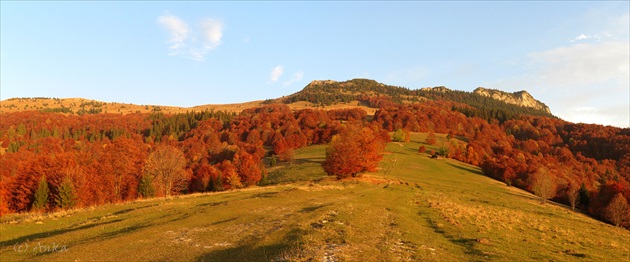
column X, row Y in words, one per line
column 598, row 37
column 177, row 28
column 580, row 80
column 185, row 42
column 582, row 37
column 212, row 31
column 608, row 116
column 587, row 80
column 276, row 72
column 605, row 27
column 585, row 64
column 294, row 78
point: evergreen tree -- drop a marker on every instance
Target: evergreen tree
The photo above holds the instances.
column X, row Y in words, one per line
column 145, row 187
column 263, row 179
column 67, row 197
column 211, row 185
column 216, row 183
column 41, row 195
column 585, row 197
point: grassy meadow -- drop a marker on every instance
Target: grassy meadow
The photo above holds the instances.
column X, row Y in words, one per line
column 413, row 208
column 76, row 104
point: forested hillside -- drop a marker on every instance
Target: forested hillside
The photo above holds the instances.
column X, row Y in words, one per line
column 51, row 160
column 373, row 94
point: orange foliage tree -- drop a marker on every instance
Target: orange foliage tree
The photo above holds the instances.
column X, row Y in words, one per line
column 166, row 166
column 356, row 149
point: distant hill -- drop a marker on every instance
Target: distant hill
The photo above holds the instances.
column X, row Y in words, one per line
column 487, row 103
column 327, row 94
column 81, row 106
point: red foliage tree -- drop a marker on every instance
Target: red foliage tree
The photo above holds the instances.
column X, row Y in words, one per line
column 249, row 168
column 356, row 149
column 431, row 138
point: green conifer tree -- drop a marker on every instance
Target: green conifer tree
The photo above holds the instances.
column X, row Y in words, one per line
column 41, row 195
column 145, row 187
column 273, row 161
column 67, row 197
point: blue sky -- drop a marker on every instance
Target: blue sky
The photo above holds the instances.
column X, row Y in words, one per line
column 574, row 56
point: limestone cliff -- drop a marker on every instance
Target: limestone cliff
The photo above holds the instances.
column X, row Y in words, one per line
column 440, row 89
column 521, row 98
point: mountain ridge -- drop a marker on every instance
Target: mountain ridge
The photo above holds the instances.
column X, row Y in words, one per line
column 326, row 94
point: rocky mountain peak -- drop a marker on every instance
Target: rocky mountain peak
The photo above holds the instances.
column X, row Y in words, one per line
column 521, row 98
column 439, row 89
column 321, row 82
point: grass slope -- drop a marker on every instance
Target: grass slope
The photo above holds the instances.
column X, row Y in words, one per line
column 76, row 104
column 414, row 208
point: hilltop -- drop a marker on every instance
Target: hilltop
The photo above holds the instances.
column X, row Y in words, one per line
column 82, row 106
column 326, row 94
column 484, row 103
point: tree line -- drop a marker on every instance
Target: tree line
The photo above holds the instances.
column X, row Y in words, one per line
column 106, row 158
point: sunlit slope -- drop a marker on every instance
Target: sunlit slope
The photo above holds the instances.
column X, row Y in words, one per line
column 87, row 106
column 414, row 208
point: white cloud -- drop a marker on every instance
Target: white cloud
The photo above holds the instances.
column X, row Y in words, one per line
column 582, row 37
column 584, row 64
column 582, row 82
column 294, row 78
column 621, row 25
column 603, row 36
column 212, row 31
column 184, row 41
column 602, row 26
column 276, row 72
column 595, row 115
column 177, row 28
column 586, row 81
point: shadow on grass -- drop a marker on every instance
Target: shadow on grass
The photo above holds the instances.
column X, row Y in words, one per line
column 263, row 195
column 117, row 233
column 224, row 221
column 529, row 197
column 125, row 211
column 309, row 160
column 578, row 255
column 467, row 244
column 467, row 169
column 312, row 208
column 53, row 233
column 289, row 249
column 213, row 204
column 133, row 228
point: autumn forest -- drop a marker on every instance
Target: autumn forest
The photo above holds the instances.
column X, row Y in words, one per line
column 60, row 160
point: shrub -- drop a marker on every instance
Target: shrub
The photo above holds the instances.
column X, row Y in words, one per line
column 400, row 136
